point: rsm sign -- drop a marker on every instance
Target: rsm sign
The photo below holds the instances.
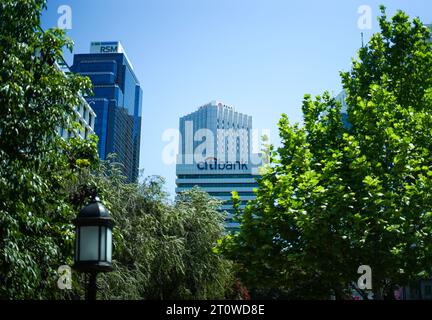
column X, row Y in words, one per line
column 222, row 166
column 106, row 47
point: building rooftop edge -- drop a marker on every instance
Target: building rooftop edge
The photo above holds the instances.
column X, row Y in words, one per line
column 215, row 103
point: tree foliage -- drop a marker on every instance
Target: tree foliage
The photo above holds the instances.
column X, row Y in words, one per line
column 162, row 250
column 338, row 196
column 36, row 99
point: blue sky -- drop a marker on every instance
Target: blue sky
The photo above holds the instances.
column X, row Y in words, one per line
column 259, row 56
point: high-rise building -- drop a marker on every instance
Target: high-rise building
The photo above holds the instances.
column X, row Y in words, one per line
column 341, row 97
column 215, row 155
column 430, row 28
column 117, row 102
column 86, row 118
column 84, row 114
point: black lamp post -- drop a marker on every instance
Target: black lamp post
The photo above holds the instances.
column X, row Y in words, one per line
column 93, row 247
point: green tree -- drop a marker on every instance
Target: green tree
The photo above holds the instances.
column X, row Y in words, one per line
column 36, row 99
column 335, row 196
column 162, row 250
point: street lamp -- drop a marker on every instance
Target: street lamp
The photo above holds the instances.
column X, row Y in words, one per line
column 93, row 247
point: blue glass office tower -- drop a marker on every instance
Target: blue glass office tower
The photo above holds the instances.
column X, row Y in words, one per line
column 116, row 101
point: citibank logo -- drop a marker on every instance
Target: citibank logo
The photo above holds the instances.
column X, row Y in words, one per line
column 213, row 164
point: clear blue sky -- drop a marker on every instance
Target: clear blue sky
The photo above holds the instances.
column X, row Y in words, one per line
column 260, row 56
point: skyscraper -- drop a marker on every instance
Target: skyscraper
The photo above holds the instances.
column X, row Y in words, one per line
column 341, row 97
column 430, row 28
column 83, row 112
column 215, row 155
column 117, row 102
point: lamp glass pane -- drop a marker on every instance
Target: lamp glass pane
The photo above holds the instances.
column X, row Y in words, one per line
column 89, row 243
column 109, row 244
column 103, row 242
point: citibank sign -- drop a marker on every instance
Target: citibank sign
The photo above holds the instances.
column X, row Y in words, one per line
column 222, row 166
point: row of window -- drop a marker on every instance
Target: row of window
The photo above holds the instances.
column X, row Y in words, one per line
column 218, row 185
column 228, row 194
column 66, row 134
column 216, row 176
column 86, row 115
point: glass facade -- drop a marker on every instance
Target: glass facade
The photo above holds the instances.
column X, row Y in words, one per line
column 219, row 186
column 225, row 164
column 117, row 102
column 341, row 97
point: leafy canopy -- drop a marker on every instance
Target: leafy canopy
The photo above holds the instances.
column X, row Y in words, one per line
column 36, row 164
column 338, row 195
